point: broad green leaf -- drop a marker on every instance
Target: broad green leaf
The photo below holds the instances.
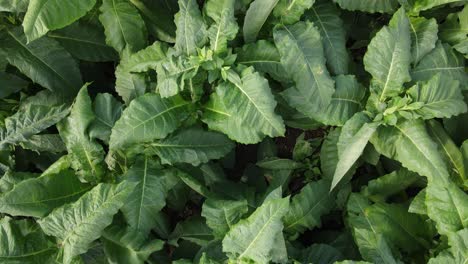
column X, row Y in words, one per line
column 107, row 111
column 418, row 204
column 224, row 27
column 353, row 139
column 327, row 18
column 441, row 96
column 87, row 155
column 45, row 15
column 16, row 6
column 452, row 155
column 37, row 197
column 127, row 84
column 248, row 98
column 44, row 61
column 444, row 60
column 78, row 224
column 123, row 26
column 421, row 5
column 409, row 143
column 321, row 253
column 29, row 121
column 329, row 153
column 370, row 6
column 275, row 163
column 388, row 56
column 447, row 206
column 389, row 184
column 192, row 229
column 302, row 57
column 289, row 12
column 85, row 42
column 191, row 29
column 454, row 29
column 255, row 17
column 191, row 145
column 220, row 119
column 125, row 245
column 264, row 57
column 254, row 238
column 221, row 215
column 147, row 58
column 159, row 17
column 10, row 84
column 11, row 178
column 423, row 37
column 45, row 143
column 459, row 243
column 308, row 207
column 372, row 244
column 17, row 246
column 147, row 118
column 149, row 196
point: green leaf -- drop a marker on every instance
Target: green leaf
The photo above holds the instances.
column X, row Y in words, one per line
column 255, row 17
column 258, row 236
column 264, row 57
column 17, row 246
column 87, row 154
column 37, row 197
column 409, row 143
column 447, row 206
column 372, row 244
column 390, row 184
column 123, row 26
column 248, row 98
column 44, row 61
column 45, row 143
column 353, row 139
column 147, row 58
column 370, row 6
column 125, row 245
column 225, row 27
column 29, row 121
column 388, row 56
column 45, row 15
column 191, row 145
column 16, row 6
column 78, row 224
column 147, row 118
column 84, row 42
column 107, row 111
column 441, row 96
column 321, row 253
column 418, row 205
column 308, row 207
column 192, row 229
column 444, row 60
column 454, row 29
column 421, row 5
column 302, row 57
column 221, row 215
column 127, row 84
column 452, row 155
column 279, row 164
column 10, row 84
column 191, row 29
column 289, row 12
column 327, row 18
column 423, row 37
column 149, row 196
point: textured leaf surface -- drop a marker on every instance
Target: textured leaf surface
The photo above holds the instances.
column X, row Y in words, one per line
column 17, row 246
column 149, row 196
column 85, row 42
column 388, row 56
column 147, row 58
column 148, row 118
column 225, row 27
column 302, row 57
column 45, row 15
column 10, row 84
column 221, row 215
column 87, row 154
column 326, row 17
column 423, row 37
column 44, row 61
column 254, row 238
column 441, row 96
column 255, row 17
column 191, row 29
column 78, row 224
column 290, row 12
column 308, row 207
column 192, row 145
column 389, row 184
column 123, row 25
column 107, row 111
